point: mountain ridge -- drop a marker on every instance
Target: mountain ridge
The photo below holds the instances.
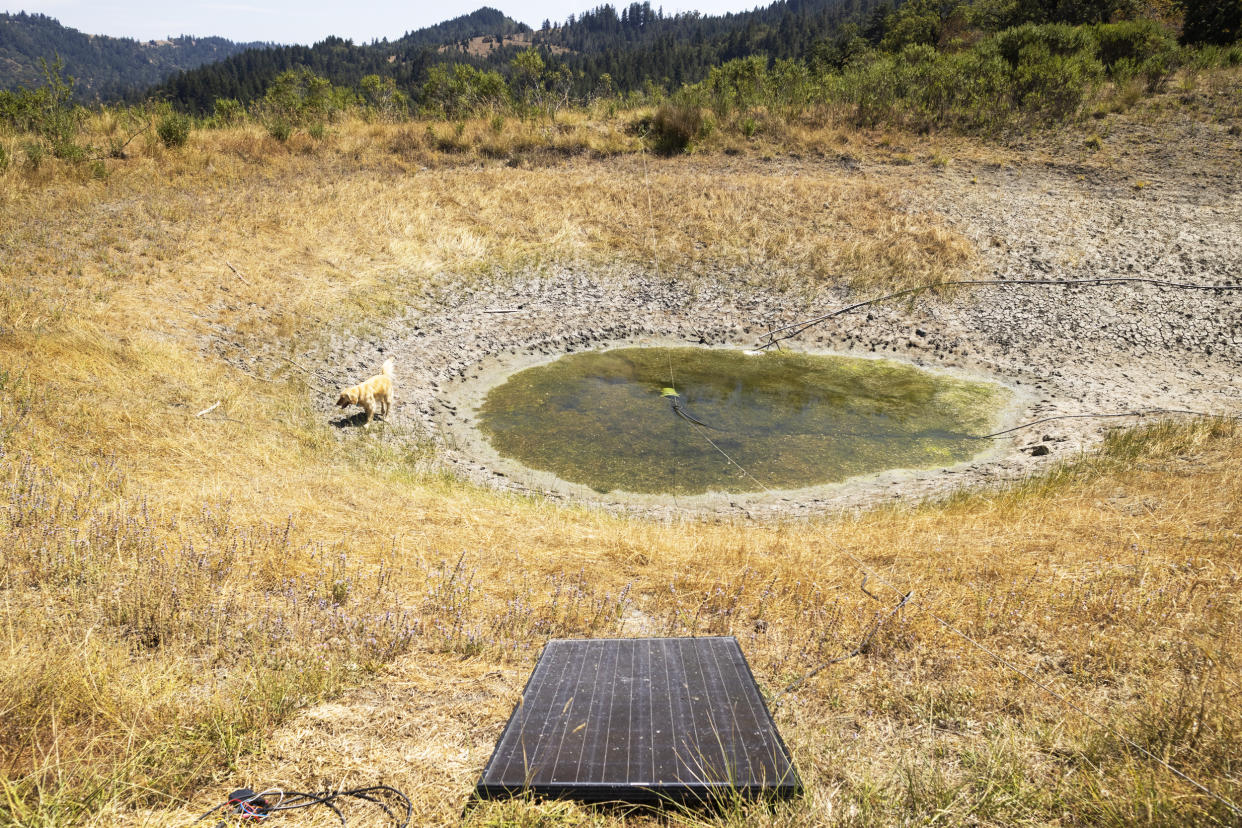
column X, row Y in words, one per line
column 634, row 46
column 104, row 67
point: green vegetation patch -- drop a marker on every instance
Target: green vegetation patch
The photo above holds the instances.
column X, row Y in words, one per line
column 691, row 420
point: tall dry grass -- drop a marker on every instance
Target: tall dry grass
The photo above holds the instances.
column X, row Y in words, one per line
column 177, row 588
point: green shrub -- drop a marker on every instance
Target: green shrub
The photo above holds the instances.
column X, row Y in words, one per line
column 173, row 129
column 1135, row 40
column 298, row 96
column 280, row 130
column 48, row 111
column 923, row 89
column 381, row 98
column 228, row 111
column 34, row 154
column 1158, row 68
column 1206, row 56
column 317, row 131
column 868, row 88
column 1055, row 39
column 1123, row 71
column 792, row 87
column 4, row 158
column 462, row 90
column 69, row 150
column 1051, row 86
column 736, row 85
column 1137, row 48
column 915, row 22
column 674, row 125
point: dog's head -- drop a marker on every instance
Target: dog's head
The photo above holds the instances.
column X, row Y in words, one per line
column 345, row 400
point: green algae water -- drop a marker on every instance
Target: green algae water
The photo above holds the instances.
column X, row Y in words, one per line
column 644, row 420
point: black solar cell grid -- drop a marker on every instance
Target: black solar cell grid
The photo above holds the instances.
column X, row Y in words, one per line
column 640, row 720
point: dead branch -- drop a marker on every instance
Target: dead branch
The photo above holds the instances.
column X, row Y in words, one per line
column 238, row 274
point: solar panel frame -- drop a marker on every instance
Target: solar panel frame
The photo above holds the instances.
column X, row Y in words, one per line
column 686, row 713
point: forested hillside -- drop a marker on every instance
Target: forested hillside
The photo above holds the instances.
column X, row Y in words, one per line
column 246, row 76
column 484, row 21
column 640, row 44
column 637, row 48
column 634, row 47
column 104, row 67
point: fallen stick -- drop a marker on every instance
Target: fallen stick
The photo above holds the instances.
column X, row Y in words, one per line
column 209, row 409
column 204, row 419
column 237, row 273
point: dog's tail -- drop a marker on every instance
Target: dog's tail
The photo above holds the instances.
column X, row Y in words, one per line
column 387, row 369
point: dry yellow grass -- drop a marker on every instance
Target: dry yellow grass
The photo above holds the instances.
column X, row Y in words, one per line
column 175, row 589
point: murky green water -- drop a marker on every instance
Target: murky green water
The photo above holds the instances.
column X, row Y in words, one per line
column 787, row 420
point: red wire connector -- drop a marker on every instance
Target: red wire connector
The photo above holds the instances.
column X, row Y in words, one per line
column 249, row 805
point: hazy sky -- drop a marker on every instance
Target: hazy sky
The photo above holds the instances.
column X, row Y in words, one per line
column 290, row 21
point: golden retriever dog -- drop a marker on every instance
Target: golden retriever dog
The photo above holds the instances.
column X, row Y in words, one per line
column 377, row 392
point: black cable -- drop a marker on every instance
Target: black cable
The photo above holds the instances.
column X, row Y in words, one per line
column 327, row 798
column 795, row 328
column 209, row 813
column 293, row 800
column 1151, row 412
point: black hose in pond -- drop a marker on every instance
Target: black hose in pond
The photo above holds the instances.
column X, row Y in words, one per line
column 680, row 409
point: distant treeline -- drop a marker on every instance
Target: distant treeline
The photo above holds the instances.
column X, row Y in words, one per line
column 636, row 48
column 106, row 68
column 973, row 67
column 926, row 63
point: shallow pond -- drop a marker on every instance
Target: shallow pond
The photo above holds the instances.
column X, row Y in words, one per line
column 686, row 421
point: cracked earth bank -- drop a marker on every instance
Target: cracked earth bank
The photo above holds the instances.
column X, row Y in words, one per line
column 1075, row 350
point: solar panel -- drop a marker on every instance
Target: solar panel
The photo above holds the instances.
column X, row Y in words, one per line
column 640, row 720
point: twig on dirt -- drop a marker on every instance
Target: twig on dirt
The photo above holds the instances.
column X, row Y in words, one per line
column 504, row 310
column 209, row 409
column 237, row 273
